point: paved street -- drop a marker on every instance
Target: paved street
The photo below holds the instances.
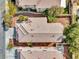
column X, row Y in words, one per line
column 2, row 40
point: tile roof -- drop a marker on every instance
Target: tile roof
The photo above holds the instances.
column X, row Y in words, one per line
column 40, row 3
column 28, row 2
column 48, row 3
column 41, row 53
column 38, row 30
column 40, row 25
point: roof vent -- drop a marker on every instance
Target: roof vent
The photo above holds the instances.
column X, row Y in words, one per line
column 32, row 35
column 53, row 35
column 32, row 29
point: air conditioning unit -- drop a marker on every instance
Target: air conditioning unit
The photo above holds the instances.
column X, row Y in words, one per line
column 60, row 47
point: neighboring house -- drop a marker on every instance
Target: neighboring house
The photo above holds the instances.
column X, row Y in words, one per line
column 40, row 5
column 39, row 53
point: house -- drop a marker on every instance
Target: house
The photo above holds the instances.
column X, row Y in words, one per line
column 38, row 30
column 40, row 5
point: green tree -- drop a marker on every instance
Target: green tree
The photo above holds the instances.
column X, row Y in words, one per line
column 11, row 12
column 52, row 13
column 7, row 20
column 72, row 38
column 12, row 8
column 23, row 18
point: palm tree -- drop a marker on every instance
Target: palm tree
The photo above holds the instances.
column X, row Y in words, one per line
column 72, row 38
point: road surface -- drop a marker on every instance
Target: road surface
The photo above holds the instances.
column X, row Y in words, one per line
column 2, row 40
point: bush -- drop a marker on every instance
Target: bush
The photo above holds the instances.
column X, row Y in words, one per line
column 12, row 8
column 19, row 8
column 23, row 18
column 45, row 13
column 52, row 13
column 7, row 20
column 66, row 10
column 8, row 24
column 51, row 19
column 10, row 45
column 72, row 38
column 29, row 44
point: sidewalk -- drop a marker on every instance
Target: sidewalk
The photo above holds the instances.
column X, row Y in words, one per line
column 9, row 54
column 2, row 40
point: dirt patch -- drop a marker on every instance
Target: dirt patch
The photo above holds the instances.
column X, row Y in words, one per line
column 64, row 20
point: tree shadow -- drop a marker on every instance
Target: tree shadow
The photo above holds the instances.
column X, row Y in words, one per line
column 5, row 28
column 17, row 54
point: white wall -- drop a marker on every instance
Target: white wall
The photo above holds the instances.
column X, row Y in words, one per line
column 63, row 3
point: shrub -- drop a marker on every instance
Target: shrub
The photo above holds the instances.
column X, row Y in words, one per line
column 23, row 18
column 45, row 13
column 72, row 38
column 19, row 8
column 10, row 45
column 7, row 20
column 66, row 10
column 51, row 19
column 29, row 44
column 12, row 8
column 52, row 13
